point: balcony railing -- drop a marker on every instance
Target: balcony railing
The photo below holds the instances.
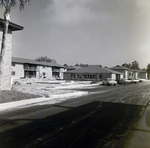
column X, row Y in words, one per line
column 30, row 68
column 56, row 70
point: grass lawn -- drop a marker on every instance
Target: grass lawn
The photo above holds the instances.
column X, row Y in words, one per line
column 13, row 95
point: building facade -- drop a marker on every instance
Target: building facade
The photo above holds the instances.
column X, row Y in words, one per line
column 126, row 72
column 130, row 74
column 92, row 72
column 27, row 68
column 142, row 74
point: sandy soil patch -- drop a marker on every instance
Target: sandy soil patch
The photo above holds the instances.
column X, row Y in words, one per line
column 47, row 88
column 54, row 91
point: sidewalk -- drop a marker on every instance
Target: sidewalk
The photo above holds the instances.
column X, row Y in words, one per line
column 140, row 137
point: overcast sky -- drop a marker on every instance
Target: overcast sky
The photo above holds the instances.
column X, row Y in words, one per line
column 105, row 32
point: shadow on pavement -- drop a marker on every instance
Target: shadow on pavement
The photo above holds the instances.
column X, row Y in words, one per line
column 96, row 124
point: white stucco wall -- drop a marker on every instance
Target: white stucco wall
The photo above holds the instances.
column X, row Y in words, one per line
column 135, row 75
column 1, row 33
column 46, row 70
column 113, row 76
column 61, row 74
column 19, row 71
column 5, row 64
column 126, row 74
column 121, row 76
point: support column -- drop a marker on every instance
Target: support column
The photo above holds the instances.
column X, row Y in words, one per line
column 5, row 64
column 6, row 56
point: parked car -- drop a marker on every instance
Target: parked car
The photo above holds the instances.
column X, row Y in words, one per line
column 135, row 81
column 109, row 81
column 142, row 80
column 124, row 81
column 96, row 82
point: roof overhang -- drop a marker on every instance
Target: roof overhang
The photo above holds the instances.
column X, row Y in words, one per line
column 29, row 61
column 12, row 26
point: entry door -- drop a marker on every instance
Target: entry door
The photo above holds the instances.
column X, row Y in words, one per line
column 117, row 77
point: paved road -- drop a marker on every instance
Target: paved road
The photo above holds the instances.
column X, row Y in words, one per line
column 101, row 119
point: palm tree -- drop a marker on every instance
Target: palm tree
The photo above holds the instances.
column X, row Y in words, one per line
column 8, row 5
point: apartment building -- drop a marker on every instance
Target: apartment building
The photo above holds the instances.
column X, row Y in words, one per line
column 27, row 68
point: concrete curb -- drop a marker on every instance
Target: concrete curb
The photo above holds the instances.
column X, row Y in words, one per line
column 141, row 114
column 40, row 101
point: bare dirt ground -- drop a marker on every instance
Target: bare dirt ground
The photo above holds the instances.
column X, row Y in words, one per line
column 46, row 87
column 34, row 88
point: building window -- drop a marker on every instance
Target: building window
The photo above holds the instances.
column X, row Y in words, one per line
column 91, row 77
column 44, row 75
column 13, row 73
column 94, row 76
column 73, row 76
column 100, row 76
column 12, row 64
